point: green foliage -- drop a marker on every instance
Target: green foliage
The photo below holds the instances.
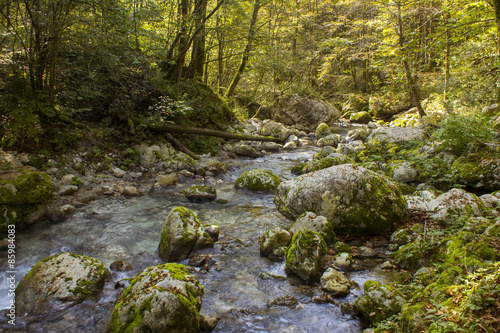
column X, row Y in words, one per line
column 457, row 131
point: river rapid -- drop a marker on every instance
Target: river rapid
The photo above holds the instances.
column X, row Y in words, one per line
column 236, row 287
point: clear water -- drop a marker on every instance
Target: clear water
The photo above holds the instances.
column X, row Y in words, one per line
column 111, row 229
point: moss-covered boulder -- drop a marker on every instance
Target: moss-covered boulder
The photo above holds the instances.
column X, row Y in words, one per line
column 355, row 200
column 258, row 180
column 379, row 302
column 316, row 223
column 274, row 129
column 201, row 193
column 163, row 298
column 322, row 163
column 58, row 282
column 454, row 203
column 335, row 282
column 305, row 255
column 322, row 130
column 24, row 195
column 273, row 240
column 182, row 234
column 362, row 117
column 331, row 140
column 247, row 151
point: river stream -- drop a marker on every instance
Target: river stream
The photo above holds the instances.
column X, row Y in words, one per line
column 236, row 290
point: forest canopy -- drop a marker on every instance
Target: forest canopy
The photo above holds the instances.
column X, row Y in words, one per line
column 67, row 61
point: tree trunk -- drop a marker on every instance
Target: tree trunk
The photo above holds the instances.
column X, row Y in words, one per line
column 198, row 50
column 496, row 7
column 209, row 132
column 248, row 49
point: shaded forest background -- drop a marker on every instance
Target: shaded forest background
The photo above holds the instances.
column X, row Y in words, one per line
column 76, row 70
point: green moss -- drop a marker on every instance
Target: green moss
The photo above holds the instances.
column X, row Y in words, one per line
column 258, row 180
column 342, row 247
column 371, row 284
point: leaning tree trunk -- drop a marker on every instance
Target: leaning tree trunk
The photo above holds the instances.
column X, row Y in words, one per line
column 248, row 49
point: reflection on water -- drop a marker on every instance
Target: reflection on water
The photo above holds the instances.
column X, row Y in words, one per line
column 113, row 229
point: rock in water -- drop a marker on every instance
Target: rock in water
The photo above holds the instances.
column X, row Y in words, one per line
column 316, row 223
column 182, row 234
column 201, row 193
column 258, row 180
column 273, row 239
column 306, row 254
column 335, row 282
column 59, row 282
column 163, row 298
column 305, row 114
column 354, row 199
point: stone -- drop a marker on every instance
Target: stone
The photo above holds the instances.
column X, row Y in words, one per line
column 322, row 130
column 121, row 266
column 182, row 234
column 66, row 190
column 274, row 239
column 65, row 211
column 355, row 200
column 167, row 180
column 213, row 231
column 68, row 178
column 322, row 163
column 246, row 150
column 270, row 146
column 148, row 155
column 119, row 173
column 329, row 140
column 316, row 223
column 400, row 237
column 131, row 191
column 200, row 193
column 397, row 134
column 335, row 282
column 304, row 113
column 258, row 180
column 343, row 261
column 208, row 323
column 163, row 298
column 404, row 173
column 379, row 302
column 305, row 255
column 290, row 146
column 366, row 252
column 388, row 106
column 275, row 129
column 386, row 265
column 362, row 117
column 456, row 202
column 59, row 282
column 360, row 133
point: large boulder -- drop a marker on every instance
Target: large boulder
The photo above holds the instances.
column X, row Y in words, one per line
column 305, row 255
column 258, row 180
column 354, row 199
column 305, row 114
column 24, row 194
column 316, row 223
column 277, row 130
column 379, row 302
column 59, row 282
column 148, row 155
column 397, row 134
column 388, row 106
column 163, row 298
column 181, row 235
column 456, row 202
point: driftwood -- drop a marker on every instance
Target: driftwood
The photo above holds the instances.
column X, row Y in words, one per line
column 172, row 128
column 180, row 146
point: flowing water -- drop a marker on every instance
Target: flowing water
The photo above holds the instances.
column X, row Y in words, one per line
column 235, row 289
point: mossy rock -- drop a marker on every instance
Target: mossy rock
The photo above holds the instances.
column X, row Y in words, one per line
column 322, row 130
column 362, row 117
column 323, row 163
column 316, row 223
column 355, row 200
column 182, row 234
column 274, row 239
column 379, row 302
column 412, row 318
column 478, row 170
column 200, row 193
column 305, row 255
column 23, row 194
column 58, row 282
column 163, row 298
column 342, row 247
column 258, row 180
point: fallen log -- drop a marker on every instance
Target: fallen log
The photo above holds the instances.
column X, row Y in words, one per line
column 180, row 146
column 172, row 128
